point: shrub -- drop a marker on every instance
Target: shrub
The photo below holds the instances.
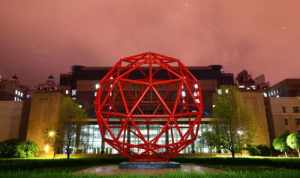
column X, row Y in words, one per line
column 27, row 149
column 8, row 148
column 259, row 150
column 17, row 149
column 264, row 150
column 253, row 150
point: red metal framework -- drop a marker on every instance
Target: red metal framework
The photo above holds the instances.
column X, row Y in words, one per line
column 149, row 107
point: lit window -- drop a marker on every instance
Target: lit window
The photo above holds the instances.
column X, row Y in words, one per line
column 197, row 100
column 183, row 94
column 227, row 91
column 73, row 92
column 16, row 92
column 242, row 86
column 219, row 91
column 67, row 92
column 196, row 86
column 97, row 86
column 265, row 94
column 195, row 94
column 296, row 109
column 15, row 98
column 95, row 93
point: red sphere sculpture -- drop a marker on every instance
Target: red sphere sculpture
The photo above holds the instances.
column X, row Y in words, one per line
column 149, row 107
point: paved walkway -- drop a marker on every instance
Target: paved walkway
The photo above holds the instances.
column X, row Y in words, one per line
column 114, row 169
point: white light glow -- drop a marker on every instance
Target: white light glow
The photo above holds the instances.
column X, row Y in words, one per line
column 196, row 86
column 227, row 91
column 73, row 92
column 195, row 94
column 240, row 132
column 265, row 94
column 97, row 86
column 219, row 91
column 67, row 92
column 183, row 94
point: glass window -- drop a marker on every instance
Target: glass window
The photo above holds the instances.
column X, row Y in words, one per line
column 286, row 122
column 297, row 121
column 296, row 109
column 283, row 109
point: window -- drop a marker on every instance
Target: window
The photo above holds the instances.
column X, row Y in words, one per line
column 73, row 92
column 296, row 109
column 283, row 109
column 286, row 122
column 297, row 121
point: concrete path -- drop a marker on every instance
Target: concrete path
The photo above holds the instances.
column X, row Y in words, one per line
column 114, row 169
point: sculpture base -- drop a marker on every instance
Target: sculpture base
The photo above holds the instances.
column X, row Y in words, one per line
column 149, row 165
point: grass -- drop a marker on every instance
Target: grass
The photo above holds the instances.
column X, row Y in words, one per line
column 227, row 174
column 240, row 167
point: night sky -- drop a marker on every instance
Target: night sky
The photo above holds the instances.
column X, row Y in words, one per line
column 42, row 37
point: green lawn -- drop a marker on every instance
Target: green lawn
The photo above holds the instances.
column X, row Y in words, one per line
column 241, row 167
column 227, row 174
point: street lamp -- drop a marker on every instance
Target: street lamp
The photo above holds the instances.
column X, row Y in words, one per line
column 240, row 132
column 51, row 134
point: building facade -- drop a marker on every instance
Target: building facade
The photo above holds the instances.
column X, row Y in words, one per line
column 284, row 113
column 13, row 90
column 10, row 120
column 285, row 88
column 81, row 85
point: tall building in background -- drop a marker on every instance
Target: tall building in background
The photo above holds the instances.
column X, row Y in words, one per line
column 284, row 113
column 13, row 90
column 14, row 106
column 283, row 107
column 285, row 88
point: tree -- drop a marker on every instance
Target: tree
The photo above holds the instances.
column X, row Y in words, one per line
column 212, row 140
column 234, row 125
column 293, row 141
column 71, row 116
column 280, row 143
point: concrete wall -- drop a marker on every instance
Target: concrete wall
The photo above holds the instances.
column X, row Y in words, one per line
column 44, row 116
column 10, row 119
column 278, row 116
column 254, row 102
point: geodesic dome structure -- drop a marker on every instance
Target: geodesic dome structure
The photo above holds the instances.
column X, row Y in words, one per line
column 149, row 107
